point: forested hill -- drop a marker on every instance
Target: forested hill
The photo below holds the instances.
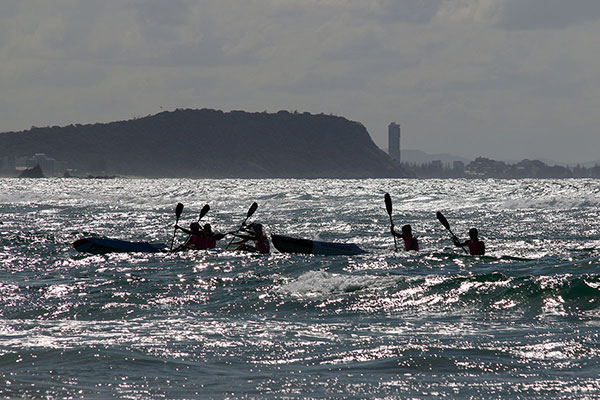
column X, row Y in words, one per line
column 209, row 143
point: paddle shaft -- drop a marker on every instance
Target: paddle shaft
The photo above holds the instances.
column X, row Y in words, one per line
column 388, row 207
column 444, row 222
column 251, row 211
column 178, row 211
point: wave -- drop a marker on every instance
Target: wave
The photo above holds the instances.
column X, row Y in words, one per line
column 490, row 293
column 553, row 202
column 315, row 284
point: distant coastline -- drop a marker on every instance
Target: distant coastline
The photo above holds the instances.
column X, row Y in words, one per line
column 483, row 167
column 206, row 143
column 188, row 143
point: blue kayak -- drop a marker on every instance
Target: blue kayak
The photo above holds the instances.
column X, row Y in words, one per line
column 286, row 244
column 96, row 245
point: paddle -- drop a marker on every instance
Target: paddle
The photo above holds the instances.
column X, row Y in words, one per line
column 178, row 211
column 251, row 211
column 444, row 222
column 388, row 206
column 204, row 211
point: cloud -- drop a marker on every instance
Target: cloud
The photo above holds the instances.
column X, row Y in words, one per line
column 480, row 12
column 490, row 73
column 519, row 14
column 407, row 11
column 547, row 14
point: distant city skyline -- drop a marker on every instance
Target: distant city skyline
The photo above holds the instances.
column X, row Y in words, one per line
column 505, row 79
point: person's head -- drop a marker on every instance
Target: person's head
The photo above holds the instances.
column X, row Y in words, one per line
column 406, row 230
column 207, row 228
column 258, row 229
column 195, row 227
column 473, row 233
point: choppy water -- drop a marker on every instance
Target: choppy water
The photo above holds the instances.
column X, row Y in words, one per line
column 522, row 322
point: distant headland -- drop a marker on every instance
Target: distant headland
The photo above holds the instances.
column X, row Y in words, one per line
column 210, row 144
column 188, row 143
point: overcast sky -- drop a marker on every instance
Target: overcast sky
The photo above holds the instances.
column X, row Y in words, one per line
column 506, row 79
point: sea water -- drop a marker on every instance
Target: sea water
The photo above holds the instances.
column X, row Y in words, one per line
column 521, row 322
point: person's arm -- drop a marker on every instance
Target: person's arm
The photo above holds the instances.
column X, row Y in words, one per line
column 243, row 245
column 394, row 233
column 244, row 237
column 459, row 244
column 183, row 229
column 247, row 229
column 246, row 247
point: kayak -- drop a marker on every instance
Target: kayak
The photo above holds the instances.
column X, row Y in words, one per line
column 286, row 244
column 96, row 245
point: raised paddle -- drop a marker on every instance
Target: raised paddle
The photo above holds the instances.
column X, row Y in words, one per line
column 251, row 211
column 178, row 211
column 388, row 207
column 204, row 211
column 444, row 222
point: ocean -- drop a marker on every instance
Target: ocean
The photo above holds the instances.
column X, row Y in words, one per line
column 521, row 322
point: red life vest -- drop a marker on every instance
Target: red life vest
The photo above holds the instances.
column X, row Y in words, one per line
column 262, row 245
column 476, row 248
column 196, row 242
column 410, row 243
column 211, row 243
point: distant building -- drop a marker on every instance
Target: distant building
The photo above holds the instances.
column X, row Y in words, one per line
column 7, row 166
column 459, row 167
column 485, row 167
column 50, row 167
column 394, row 141
column 46, row 163
column 437, row 165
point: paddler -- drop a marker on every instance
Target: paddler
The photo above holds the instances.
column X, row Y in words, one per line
column 196, row 239
column 199, row 239
column 410, row 241
column 255, row 233
column 476, row 246
column 211, row 237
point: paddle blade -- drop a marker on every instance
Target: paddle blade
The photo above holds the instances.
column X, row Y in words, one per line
column 388, row 203
column 443, row 220
column 251, row 210
column 178, row 210
column 204, row 211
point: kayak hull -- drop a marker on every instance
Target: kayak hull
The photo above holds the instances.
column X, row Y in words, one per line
column 95, row 245
column 286, row 244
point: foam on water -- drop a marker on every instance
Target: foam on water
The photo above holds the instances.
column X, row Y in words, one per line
column 315, row 284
